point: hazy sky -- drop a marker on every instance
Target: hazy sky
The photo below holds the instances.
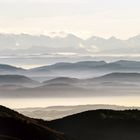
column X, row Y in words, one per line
column 104, row 18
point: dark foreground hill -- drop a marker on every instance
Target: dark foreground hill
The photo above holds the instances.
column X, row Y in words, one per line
column 90, row 125
column 14, row 126
column 100, row 125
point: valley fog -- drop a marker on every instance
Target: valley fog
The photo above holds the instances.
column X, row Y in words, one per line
column 130, row 101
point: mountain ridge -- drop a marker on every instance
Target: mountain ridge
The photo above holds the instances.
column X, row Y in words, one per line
column 38, row 44
column 91, row 63
column 15, row 126
column 16, row 80
column 100, row 124
column 113, row 84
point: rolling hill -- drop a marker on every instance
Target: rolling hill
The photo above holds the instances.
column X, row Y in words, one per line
column 8, row 69
column 120, row 77
column 62, row 80
column 86, row 69
column 17, row 80
column 113, row 84
column 100, row 125
column 14, row 126
column 80, row 70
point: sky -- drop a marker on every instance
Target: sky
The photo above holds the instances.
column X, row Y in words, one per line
column 105, row 18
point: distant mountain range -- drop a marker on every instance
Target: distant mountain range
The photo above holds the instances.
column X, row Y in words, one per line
column 80, row 79
column 82, row 69
column 32, row 44
column 8, row 69
column 62, row 80
column 118, row 77
column 17, row 80
column 113, row 84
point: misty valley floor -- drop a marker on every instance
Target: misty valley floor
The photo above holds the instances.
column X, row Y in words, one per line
column 44, row 102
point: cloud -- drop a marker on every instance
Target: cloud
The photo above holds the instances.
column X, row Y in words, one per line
column 90, row 48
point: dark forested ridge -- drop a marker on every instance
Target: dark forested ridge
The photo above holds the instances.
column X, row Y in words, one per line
column 89, row 125
column 100, row 125
column 14, row 126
